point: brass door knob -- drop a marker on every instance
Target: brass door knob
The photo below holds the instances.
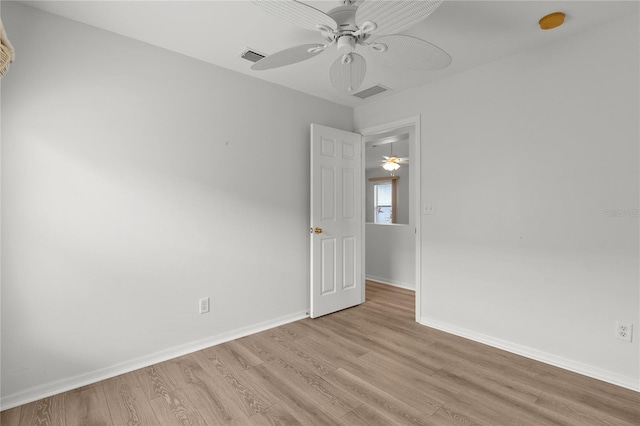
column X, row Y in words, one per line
column 318, row 230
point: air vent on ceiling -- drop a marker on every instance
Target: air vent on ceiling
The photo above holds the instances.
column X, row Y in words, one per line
column 251, row 55
column 371, row 91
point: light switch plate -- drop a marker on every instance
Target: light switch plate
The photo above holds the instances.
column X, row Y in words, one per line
column 429, row 208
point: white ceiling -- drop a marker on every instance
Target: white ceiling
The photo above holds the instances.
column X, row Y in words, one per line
column 473, row 32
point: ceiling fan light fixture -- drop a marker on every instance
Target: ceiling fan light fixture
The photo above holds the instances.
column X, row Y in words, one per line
column 346, row 44
column 390, row 166
column 347, row 73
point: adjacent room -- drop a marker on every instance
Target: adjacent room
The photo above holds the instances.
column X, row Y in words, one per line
column 157, row 209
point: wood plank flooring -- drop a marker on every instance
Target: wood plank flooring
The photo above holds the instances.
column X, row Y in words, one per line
column 368, row 365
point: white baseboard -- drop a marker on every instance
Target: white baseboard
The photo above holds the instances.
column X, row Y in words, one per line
column 547, row 358
column 52, row 388
column 387, row 281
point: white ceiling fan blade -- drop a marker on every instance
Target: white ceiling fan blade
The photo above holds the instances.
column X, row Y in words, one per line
column 347, row 75
column 409, row 52
column 297, row 13
column 393, row 16
column 395, row 159
column 288, row 56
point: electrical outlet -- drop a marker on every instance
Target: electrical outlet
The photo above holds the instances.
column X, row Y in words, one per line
column 204, row 305
column 624, row 330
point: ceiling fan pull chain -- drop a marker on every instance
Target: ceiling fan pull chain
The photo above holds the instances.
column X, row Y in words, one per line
column 347, row 59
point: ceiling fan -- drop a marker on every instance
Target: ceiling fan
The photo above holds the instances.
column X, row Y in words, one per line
column 392, row 163
column 368, row 23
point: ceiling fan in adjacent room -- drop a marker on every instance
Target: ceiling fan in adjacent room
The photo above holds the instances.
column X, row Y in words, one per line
column 372, row 24
column 391, row 164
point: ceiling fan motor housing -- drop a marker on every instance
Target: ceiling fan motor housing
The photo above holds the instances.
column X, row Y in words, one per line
column 345, row 17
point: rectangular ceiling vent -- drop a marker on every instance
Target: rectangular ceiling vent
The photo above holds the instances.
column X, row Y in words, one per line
column 371, row 91
column 251, row 55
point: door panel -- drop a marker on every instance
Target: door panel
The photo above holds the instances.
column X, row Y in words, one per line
column 348, row 194
column 327, row 188
column 336, row 208
column 349, row 278
column 328, row 256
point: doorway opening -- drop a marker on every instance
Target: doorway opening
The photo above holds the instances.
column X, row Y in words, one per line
column 391, row 246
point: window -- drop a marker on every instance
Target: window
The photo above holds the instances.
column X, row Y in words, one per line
column 384, row 199
column 382, row 205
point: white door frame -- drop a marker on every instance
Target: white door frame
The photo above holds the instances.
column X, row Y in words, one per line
column 417, row 214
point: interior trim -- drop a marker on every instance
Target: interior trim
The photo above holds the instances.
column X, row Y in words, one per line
column 53, row 388
column 548, row 358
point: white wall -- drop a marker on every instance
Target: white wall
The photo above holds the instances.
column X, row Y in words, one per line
column 134, row 182
column 390, row 254
column 522, row 158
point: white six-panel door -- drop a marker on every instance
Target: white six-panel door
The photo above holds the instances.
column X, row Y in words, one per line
column 336, row 220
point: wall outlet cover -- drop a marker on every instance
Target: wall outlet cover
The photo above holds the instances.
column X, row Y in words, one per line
column 624, row 331
column 204, row 305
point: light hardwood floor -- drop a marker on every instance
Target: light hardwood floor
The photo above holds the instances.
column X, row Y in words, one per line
column 368, row 365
